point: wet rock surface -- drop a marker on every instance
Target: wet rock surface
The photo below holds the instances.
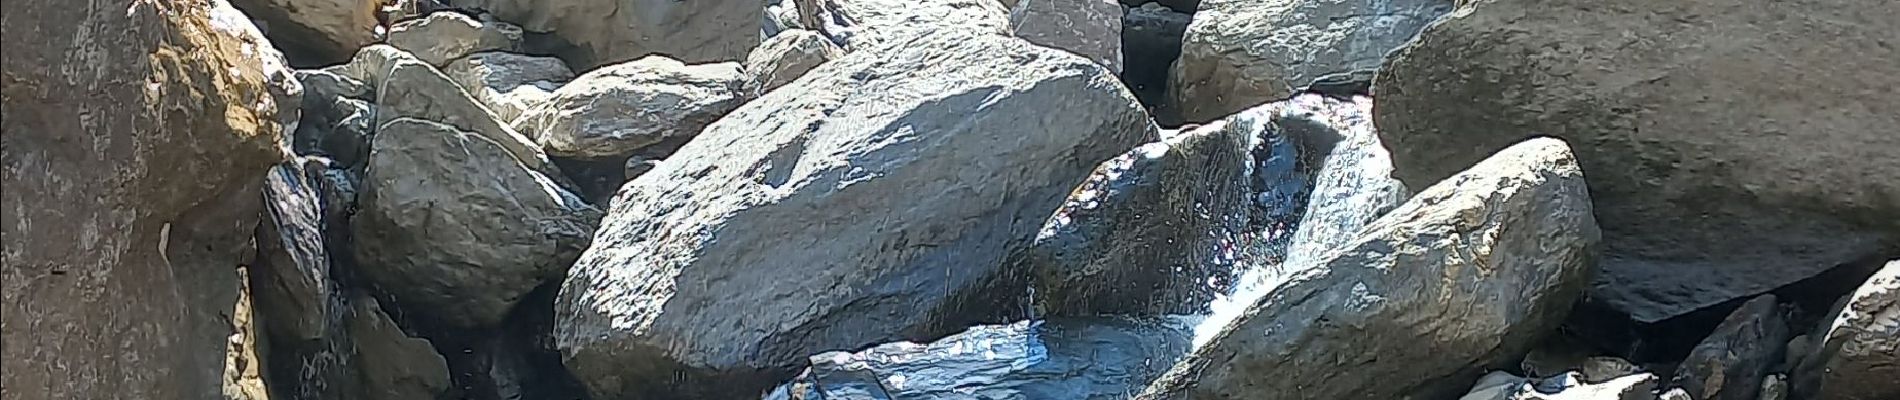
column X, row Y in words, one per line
column 1858, row 346
column 1151, row 41
column 1733, row 360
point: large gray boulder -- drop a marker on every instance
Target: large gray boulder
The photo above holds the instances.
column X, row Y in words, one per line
column 293, row 265
column 868, row 202
column 1730, row 363
column 316, row 32
column 509, row 84
column 1090, row 28
column 1709, row 195
column 1464, row 277
column 1238, row 53
column 860, row 24
column 410, row 88
column 132, row 151
column 1065, row 358
column 616, row 110
column 1859, row 350
column 1148, row 230
column 785, row 57
column 445, row 36
column 602, row 32
column 338, row 118
column 393, row 365
column 455, row 227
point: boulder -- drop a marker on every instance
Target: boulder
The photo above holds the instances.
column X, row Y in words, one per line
column 1238, row 53
column 508, row 83
column 1465, row 276
column 394, row 366
column 616, row 110
column 1858, row 347
column 785, row 57
column 445, row 36
column 454, row 227
column 1149, row 231
column 1090, row 28
column 1151, row 41
column 316, row 32
column 870, row 201
column 293, row 267
column 1706, row 196
column 410, row 88
column 1180, row 6
column 1081, row 359
column 339, row 119
column 135, row 138
column 1731, row 363
column 1571, row 386
column 862, row 24
column 596, row 33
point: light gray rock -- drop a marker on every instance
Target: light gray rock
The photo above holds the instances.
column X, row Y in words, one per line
column 785, row 57
column 1465, row 276
column 410, row 88
column 1148, row 230
column 1774, row 387
column 868, row 202
column 862, row 24
column 1088, row 358
column 1239, row 53
column 445, row 36
column 1730, row 363
column 135, row 139
column 508, row 83
column 453, row 226
column 1151, row 41
column 1858, row 350
column 1706, row 196
column 604, row 32
column 394, row 365
column 616, row 110
column 316, row 32
column 1090, row 28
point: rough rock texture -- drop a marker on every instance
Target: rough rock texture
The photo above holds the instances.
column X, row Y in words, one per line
column 1503, row 386
column 315, row 32
column 1238, row 53
column 861, row 24
column 1090, row 28
column 508, row 83
column 1467, row 275
column 1151, row 41
column 1148, row 230
column 394, row 365
column 1181, row 6
column 135, row 138
column 1731, row 362
column 453, row 226
column 1082, row 359
column 785, row 57
column 1715, row 181
column 603, row 32
column 410, row 88
column 445, row 36
column 868, row 202
column 338, row 118
column 292, row 263
column 1859, row 350
column 618, row 109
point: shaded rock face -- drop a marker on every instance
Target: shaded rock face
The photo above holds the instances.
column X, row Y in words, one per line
column 339, row 118
column 1086, row 358
column 1089, row 28
column 838, row 212
column 1151, row 41
column 316, row 32
column 445, row 36
column 135, row 138
column 616, row 110
column 509, row 84
column 1707, row 195
column 785, row 57
column 293, row 265
column 1465, row 276
column 861, row 24
column 394, row 366
column 1150, row 232
column 1732, row 361
column 1239, row 53
column 452, row 225
column 1858, row 349
column 603, row 32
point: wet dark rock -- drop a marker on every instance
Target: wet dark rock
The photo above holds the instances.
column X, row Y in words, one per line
column 1731, row 362
column 1063, row 358
column 1150, row 232
column 394, row 365
column 1857, row 350
column 1464, row 277
column 338, row 118
column 293, row 266
column 1706, row 196
column 1151, row 41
